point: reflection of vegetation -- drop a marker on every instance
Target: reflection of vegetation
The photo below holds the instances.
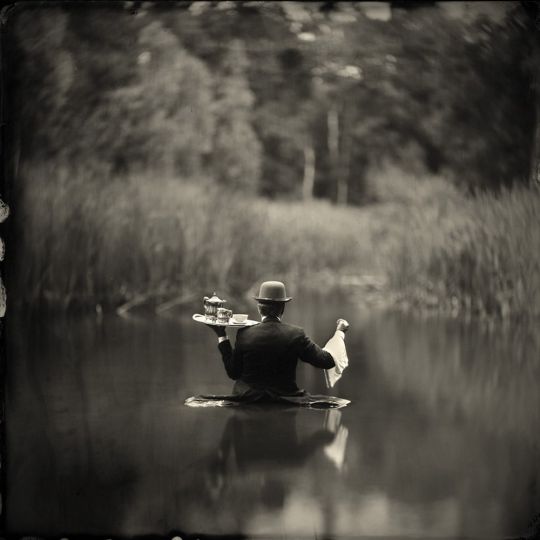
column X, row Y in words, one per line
column 91, row 413
column 477, row 372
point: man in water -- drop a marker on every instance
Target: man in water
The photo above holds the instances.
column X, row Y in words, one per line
column 263, row 361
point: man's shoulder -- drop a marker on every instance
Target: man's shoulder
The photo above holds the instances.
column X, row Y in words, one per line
column 293, row 329
column 293, row 326
column 278, row 327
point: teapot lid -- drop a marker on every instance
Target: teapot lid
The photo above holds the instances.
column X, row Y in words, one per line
column 215, row 299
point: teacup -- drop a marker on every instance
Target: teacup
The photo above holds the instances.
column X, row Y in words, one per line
column 239, row 317
column 223, row 315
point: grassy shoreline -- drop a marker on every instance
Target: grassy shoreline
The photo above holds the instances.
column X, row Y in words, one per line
column 135, row 240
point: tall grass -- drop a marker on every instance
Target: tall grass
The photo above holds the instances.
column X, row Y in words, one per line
column 476, row 254
column 90, row 241
column 86, row 240
column 491, row 263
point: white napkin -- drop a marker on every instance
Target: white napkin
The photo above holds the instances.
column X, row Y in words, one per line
column 336, row 347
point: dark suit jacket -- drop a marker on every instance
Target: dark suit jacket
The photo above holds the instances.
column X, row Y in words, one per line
column 265, row 356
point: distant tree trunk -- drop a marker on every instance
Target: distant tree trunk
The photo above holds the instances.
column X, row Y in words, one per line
column 342, row 187
column 332, row 120
column 535, row 156
column 533, row 9
column 343, row 192
column 16, row 153
column 308, row 181
column 344, row 160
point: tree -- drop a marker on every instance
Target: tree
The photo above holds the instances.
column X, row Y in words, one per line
column 163, row 120
column 236, row 150
column 529, row 26
column 43, row 75
column 287, row 99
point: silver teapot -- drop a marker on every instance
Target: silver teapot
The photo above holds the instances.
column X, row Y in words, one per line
column 211, row 306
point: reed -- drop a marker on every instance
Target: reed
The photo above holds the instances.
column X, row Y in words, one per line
column 88, row 241
column 476, row 255
column 492, row 266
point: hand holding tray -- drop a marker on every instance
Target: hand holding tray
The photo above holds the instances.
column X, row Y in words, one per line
column 231, row 324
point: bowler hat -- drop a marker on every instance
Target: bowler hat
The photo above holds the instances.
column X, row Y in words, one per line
column 272, row 291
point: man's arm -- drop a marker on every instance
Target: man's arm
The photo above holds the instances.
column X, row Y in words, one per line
column 310, row 352
column 232, row 359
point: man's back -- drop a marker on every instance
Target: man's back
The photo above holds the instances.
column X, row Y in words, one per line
column 265, row 355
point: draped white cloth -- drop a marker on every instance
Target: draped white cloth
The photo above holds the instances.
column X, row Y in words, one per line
column 336, row 347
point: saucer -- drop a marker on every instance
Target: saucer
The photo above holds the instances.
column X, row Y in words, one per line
column 234, row 321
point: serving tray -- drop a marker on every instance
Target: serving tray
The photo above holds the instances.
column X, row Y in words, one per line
column 202, row 319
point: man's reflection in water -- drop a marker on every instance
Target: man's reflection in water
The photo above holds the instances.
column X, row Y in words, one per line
column 260, row 453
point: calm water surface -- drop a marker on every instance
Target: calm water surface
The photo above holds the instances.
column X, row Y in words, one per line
column 441, row 438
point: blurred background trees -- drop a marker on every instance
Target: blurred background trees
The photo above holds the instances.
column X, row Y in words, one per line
column 236, row 151
column 283, row 99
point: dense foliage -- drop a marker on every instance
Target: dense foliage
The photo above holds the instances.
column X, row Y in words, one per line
column 282, row 99
column 147, row 139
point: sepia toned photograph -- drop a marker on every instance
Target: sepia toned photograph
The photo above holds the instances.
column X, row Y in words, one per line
column 270, row 270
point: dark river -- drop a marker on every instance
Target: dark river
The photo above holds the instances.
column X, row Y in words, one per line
column 441, row 438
